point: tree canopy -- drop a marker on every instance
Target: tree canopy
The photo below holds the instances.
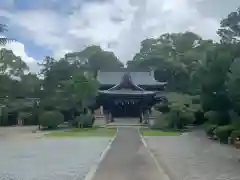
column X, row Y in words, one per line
column 93, row 58
column 197, row 66
column 189, row 63
column 4, row 40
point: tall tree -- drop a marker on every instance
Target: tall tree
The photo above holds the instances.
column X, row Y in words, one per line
column 54, row 72
column 30, row 85
column 93, row 58
column 12, row 68
column 66, row 86
column 233, row 84
column 10, row 64
column 4, row 40
column 174, row 56
column 213, row 92
column 230, row 28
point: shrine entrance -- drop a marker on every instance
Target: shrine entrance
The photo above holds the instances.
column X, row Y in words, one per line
column 126, row 98
column 126, row 108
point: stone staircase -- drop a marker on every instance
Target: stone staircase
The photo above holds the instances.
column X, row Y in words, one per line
column 125, row 122
column 120, row 122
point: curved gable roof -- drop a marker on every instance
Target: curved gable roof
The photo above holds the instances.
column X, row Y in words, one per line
column 138, row 78
column 126, row 83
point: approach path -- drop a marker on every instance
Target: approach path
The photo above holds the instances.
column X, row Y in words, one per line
column 127, row 159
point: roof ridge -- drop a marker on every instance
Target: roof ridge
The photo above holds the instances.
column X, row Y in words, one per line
column 125, row 70
column 126, row 80
column 137, row 77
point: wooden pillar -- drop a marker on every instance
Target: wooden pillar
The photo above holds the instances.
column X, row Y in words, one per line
column 20, row 122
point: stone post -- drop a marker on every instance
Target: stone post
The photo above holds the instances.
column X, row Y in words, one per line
column 112, row 118
column 101, row 110
column 146, row 117
column 106, row 116
column 109, row 117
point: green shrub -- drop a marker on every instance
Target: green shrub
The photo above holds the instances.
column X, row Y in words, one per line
column 235, row 134
column 160, row 120
column 210, row 129
column 212, row 117
column 51, row 119
column 215, row 117
column 76, row 122
column 162, row 107
column 186, row 117
column 172, row 119
column 179, row 119
column 156, row 113
column 176, row 120
column 84, row 121
column 223, row 132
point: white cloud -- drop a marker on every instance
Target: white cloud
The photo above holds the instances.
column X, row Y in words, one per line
column 122, row 24
column 155, row 17
column 19, row 50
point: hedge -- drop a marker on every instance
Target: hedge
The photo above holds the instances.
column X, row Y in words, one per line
column 224, row 132
column 213, row 117
column 51, row 119
column 84, row 121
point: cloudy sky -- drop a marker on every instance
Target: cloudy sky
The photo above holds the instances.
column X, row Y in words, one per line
column 54, row 27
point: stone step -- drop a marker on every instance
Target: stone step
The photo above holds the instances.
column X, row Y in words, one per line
column 124, row 125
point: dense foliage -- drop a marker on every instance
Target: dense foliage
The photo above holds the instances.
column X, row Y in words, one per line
column 84, row 121
column 51, row 119
column 201, row 68
column 223, row 132
column 67, row 85
column 207, row 71
column 4, row 40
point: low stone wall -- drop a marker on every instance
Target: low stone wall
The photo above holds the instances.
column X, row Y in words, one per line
column 99, row 120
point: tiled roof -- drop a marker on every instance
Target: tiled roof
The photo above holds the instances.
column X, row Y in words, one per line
column 127, row 92
column 138, row 78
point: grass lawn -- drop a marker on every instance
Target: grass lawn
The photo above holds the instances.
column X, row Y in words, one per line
column 88, row 132
column 149, row 132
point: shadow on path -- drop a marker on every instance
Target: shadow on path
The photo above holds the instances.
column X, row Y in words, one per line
column 128, row 159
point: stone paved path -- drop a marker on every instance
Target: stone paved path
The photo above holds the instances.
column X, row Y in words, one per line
column 49, row 158
column 128, row 159
column 194, row 157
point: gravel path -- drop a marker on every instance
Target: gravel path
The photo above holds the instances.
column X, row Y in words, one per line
column 194, row 157
column 49, row 159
